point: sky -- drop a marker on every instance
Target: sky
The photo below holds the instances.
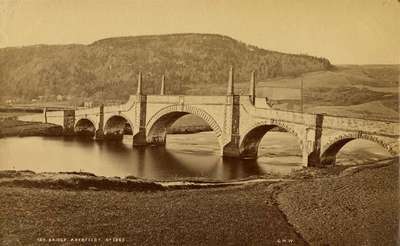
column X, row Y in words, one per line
column 344, row 31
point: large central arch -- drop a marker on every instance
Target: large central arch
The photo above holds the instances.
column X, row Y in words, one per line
column 253, row 136
column 159, row 123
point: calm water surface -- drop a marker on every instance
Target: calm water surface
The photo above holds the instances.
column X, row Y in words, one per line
column 191, row 155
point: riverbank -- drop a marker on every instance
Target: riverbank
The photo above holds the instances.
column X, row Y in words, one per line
column 12, row 127
column 359, row 207
column 335, row 206
column 218, row 216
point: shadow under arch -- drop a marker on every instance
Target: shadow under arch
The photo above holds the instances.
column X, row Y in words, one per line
column 331, row 149
column 251, row 140
column 158, row 125
column 116, row 127
column 85, row 128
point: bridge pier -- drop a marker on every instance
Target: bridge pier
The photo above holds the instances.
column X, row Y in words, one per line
column 232, row 149
column 312, row 147
column 139, row 131
column 69, row 122
column 139, row 139
column 232, row 114
column 100, row 130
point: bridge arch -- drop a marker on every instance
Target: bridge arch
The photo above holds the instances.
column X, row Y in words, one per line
column 116, row 126
column 156, row 128
column 252, row 137
column 85, row 127
column 332, row 147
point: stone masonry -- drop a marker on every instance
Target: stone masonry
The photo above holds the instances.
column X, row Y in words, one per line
column 239, row 123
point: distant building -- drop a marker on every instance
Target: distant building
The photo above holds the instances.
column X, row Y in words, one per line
column 34, row 100
column 59, row 97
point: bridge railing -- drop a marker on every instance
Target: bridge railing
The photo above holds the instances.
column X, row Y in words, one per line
column 87, row 111
column 55, row 114
column 367, row 125
column 261, row 103
column 168, row 99
column 187, row 99
column 205, row 99
column 381, row 127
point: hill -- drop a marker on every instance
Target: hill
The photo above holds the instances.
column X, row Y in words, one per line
column 350, row 90
column 187, row 60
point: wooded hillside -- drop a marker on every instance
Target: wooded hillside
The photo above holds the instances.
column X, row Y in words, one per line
column 187, row 60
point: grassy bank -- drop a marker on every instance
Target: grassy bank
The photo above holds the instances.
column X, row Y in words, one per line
column 222, row 216
column 13, row 127
column 333, row 206
column 74, row 181
column 357, row 209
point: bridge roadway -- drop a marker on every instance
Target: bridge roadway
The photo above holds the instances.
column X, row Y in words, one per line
column 239, row 123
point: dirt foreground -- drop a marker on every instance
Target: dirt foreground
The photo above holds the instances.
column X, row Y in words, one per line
column 360, row 207
column 357, row 206
column 221, row 216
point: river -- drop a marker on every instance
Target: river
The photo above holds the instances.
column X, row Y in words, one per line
column 185, row 155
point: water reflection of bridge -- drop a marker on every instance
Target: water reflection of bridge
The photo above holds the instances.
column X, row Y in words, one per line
column 239, row 123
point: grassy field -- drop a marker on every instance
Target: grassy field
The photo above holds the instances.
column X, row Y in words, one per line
column 342, row 76
column 370, row 110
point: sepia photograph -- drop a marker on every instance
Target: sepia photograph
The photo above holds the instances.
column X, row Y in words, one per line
column 199, row 122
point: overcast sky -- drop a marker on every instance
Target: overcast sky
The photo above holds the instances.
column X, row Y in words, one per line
column 344, row 31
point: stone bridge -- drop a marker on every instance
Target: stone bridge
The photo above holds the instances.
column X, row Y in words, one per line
column 238, row 122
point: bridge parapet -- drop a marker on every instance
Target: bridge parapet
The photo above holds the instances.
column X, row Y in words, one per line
column 87, row 111
column 122, row 107
column 363, row 125
column 261, row 103
column 116, row 109
column 219, row 100
column 55, row 117
column 163, row 99
column 174, row 99
column 269, row 113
